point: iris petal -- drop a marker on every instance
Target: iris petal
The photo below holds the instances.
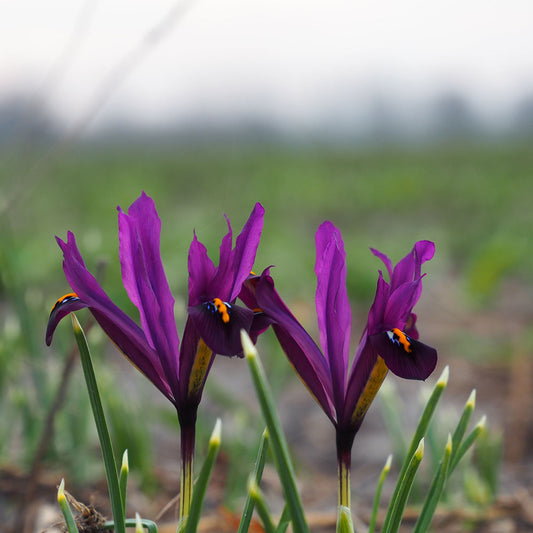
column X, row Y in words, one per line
column 121, row 329
column 298, row 354
column 65, row 305
column 145, row 280
column 405, row 357
column 222, row 337
column 178, row 370
column 246, row 249
column 201, row 271
column 332, row 306
column 409, row 268
column 400, row 304
column 301, row 350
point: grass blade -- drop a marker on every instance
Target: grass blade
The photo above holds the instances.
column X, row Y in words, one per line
column 260, row 504
column 101, row 427
column 257, row 474
column 435, row 490
column 419, row 434
column 65, row 509
column 284, row 520
column 277, row 438
column 467, row 443
column 460, row 430
column 377, row 497
column 394, row 516
column 123, row 480
column 200, row 487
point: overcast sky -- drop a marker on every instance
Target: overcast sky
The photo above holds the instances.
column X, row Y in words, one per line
column 275, row 57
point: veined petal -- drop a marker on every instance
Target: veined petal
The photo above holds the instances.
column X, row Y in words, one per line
column 260, row 324
column 246, row 249
column 65, row 305
column 120, row 328
column 364, row 362
column 192, row 378
column 423, row 251
column 302, row 352
column 410, row 327
column 261, row 320
column 385, row 259
column 298, row 355
column 332, row 306
column 405, row 356
column 201, row 272
column 409, row 268
column 400, row 304
column 129, row 342
column 144, row 277
column 222, row 281
column 377, row 311
column 219, row 324
column 235, row 265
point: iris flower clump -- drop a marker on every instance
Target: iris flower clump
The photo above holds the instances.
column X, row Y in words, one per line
column 389, row 340
column 178, row 369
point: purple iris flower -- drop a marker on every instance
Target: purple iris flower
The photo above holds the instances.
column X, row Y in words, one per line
column 389, row 340
column 178, row 370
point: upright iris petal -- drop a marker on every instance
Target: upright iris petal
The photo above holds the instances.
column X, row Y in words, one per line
column 213, row 291
column 389, row 340
column 178, row 370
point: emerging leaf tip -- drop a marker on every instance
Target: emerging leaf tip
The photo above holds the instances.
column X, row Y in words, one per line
column 75, row 323
column 248, row 347
column 253, row 488
column 419, row 452
column 138, row 524
column 216, row 435
column 471, row 402
column 448, row 449
column 125, row 463
column 443, row 379
column 61, row 492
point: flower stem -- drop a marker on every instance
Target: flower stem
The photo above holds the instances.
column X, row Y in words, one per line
column 344, row 485
column 344, row 461
column 186, row 479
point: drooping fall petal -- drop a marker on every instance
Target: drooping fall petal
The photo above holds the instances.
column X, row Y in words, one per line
column 405, row 356
column 122, row 330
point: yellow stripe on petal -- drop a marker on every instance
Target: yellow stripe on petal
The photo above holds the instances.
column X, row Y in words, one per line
column 199, row 368
column 371, row 389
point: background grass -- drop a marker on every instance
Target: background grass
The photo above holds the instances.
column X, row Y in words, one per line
column 474, row 201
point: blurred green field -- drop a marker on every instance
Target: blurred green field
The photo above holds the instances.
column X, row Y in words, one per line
column 474, row 201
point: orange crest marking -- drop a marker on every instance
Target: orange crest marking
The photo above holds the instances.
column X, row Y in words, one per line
column 63, row 299
column 402, row 338
column 222, row 309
